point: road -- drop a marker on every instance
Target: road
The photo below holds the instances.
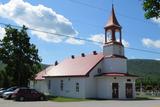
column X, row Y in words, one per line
column 104, row 103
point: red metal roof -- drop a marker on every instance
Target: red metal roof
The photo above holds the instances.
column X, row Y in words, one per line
column 117, row 74
column 77, row 66
column 40, row 75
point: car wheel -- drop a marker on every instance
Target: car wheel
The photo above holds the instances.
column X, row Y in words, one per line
column 42, row 98
column 21, row 98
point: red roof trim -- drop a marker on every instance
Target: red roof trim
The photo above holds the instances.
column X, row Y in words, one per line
column 113, row 74
column 66, row 76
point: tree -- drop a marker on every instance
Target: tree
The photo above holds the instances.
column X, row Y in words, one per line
column 19, row 55
column 151, row 8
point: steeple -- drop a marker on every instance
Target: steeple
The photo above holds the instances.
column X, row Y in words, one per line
column 112, row 29
column 112, row 20
column 113, row 49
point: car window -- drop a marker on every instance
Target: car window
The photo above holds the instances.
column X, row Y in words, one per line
column 33, row 91
column 16, row 90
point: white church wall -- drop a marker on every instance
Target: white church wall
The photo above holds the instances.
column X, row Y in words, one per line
column 115, row 65
column 40, row 85
column 113, row 49
column 69, row 87
column 104, row 85
column 91, row 83
column 102, row 88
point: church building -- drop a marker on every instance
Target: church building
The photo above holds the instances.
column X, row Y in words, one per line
column 96, row 75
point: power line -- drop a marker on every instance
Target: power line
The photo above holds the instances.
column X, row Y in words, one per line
column 88, row 5
column 87, row 40
column 104, row 10
column 143, row 50
column 68, row 36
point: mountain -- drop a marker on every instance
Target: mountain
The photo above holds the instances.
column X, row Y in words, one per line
column 144, row 68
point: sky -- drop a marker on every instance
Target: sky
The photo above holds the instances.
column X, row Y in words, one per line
column 82, row 19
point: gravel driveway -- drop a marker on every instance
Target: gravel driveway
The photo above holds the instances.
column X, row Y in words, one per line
column 109, row 103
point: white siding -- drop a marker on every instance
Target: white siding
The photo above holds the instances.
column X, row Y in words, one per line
column 115, row 65
column 91, row 82
column 105, row 86
column 102, row 88
column 113, row 49
column 69, row 87
column 40, row 85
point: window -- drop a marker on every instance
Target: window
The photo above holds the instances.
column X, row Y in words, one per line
column 128, row 80
column 99, row 70
column 49, row 84
column 77, row 87
column 115, row 78
column 109, row 36
column 117, row 36
column 61, row 85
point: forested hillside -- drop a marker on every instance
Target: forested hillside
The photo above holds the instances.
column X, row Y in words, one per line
column 144, row 68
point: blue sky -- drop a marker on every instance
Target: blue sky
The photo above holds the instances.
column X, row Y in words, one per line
column 69, row 17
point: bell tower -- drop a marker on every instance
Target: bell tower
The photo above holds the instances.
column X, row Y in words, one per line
column 113, row 49
column 113, row 37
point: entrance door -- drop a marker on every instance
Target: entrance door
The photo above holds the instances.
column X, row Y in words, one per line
column 129, row 90
column 115, row 90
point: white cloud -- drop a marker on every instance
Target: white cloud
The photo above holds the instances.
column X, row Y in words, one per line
column 156, row 20
column 38, row 17
column 101, row 38
column 2, row 33
column 75, row 41
column 97, row 38
column 151, row 43
column 125, row 43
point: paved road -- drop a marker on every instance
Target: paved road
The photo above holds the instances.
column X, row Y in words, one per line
column 109, row 103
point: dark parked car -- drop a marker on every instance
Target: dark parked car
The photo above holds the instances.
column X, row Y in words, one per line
column 7, row 90
column 26, row 94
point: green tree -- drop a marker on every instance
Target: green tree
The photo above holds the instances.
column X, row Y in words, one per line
column 4, row 79
column 151, row 8
column 19, row 55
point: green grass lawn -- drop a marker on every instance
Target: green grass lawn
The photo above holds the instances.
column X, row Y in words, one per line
column 64, row 99
column 147, row 97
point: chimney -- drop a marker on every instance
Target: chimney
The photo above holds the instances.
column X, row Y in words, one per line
column 72, row 56
column 56, row 63
column 83, row 55
column 94, row 53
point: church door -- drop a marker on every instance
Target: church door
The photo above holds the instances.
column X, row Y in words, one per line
column 129, row 90
column 115, row 90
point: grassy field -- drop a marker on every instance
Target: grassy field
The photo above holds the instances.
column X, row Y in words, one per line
column 64, row 99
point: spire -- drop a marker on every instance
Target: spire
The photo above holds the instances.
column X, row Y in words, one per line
column 112, row 20
column 113, row 29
